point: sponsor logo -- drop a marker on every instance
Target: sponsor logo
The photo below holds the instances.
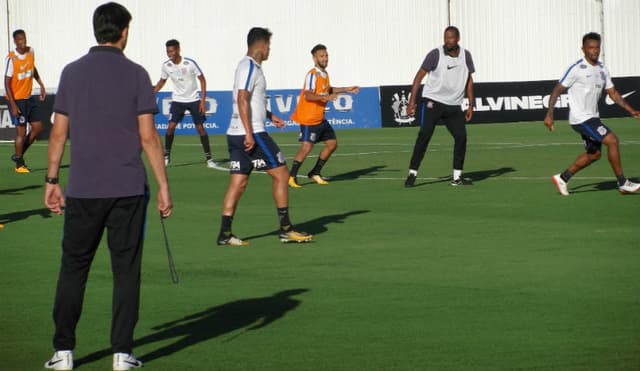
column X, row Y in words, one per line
column 450, row 67
column 399, row 105
column 526, row 102
column 259, row 163
column 234, row 165
column 280, row 158
column 610, row 101
column 5, row 117
column 430, row 104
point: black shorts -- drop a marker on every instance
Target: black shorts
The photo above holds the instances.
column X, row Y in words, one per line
column 593, row 132
column 265, row 155
column 316, row 133
column 177, row 110
column 29, row 112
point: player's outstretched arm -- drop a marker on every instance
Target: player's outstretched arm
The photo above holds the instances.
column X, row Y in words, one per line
column 616, row 97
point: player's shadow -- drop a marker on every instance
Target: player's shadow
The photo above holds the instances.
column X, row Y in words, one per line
column 478, row 176
column 197, row 163
column 355, row 174
column 595, row 187
column 316, row 226
column 21, row 215
column 18, row 191
column 242, row 315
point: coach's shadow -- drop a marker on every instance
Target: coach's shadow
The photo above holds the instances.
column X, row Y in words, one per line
column 21, row 215
column 246, row 315
column 316, row 226
column 355, row 174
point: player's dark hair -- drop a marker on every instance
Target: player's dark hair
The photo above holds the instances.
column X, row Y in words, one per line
column 172, row 42
column 258, row 34
column 591, row 36
column 318, row 47
column 108, row 22
column 454, row 29
column 18, row 32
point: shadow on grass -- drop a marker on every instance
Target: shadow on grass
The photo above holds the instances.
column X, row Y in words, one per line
column 597, row 187
column 474, row 176
column 315, row 226
column 18, row 191
column 197, row 163
column 355, row 174
column 21, row 215
column 246, row 315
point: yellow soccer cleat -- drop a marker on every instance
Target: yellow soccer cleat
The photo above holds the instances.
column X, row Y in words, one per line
column 294, row 236
column 318, row 179
column 293, row 183
column 22, row 170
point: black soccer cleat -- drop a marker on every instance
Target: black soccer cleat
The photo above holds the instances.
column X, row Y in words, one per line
column 411, row 179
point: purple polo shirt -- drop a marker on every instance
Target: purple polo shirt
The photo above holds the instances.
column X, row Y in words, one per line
column 102, row 94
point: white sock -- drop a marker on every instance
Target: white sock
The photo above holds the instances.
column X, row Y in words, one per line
column 456, row 174
column 413, row 172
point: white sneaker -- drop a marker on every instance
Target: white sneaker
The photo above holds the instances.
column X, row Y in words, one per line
column 125, row 361
column 629, row 187
column 560, row 184
column 211, row 164
column 167, row 160
column 61, row 360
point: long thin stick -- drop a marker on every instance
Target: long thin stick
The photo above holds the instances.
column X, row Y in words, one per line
column 172, row 266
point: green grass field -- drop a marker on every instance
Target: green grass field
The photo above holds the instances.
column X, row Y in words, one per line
column 502, row 275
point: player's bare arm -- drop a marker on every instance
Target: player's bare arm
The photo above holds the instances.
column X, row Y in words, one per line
column 276, row 120
column 348, row 89
column 619, row 100
column 203, row 93
column 417, row 80
column 159, row 85
column 12, row 102
column 36, row 75
column 244, row 110
column 310, row 96
column 469, row 114
column 555, row 93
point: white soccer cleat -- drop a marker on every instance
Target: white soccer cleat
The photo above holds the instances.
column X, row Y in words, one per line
column 560, row 184
column 167, row 160
column 211, row 164
column 61, row 360
column 125, row 362
column 629, row 187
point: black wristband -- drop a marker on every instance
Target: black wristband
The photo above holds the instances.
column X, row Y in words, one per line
column 50, row 180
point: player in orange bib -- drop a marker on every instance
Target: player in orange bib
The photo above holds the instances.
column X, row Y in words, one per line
column 19, row 72
column 309, row 113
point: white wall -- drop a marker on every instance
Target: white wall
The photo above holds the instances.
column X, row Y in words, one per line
column 371, row 42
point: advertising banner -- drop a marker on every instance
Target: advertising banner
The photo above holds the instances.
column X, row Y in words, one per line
column 508, row 102
column 8, row 130
column 348, row 111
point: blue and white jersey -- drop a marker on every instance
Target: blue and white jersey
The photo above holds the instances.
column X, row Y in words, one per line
column 184, row 77
column 585, row 83
column 249, row 77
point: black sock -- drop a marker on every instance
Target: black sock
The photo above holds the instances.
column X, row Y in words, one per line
column 225, row 225
column 566, row 175
column 621, row 179
column 283, row 216
column 204, row 139
column 294, row 168
column 168, row 142
column 19, row 160
column 318, row 167
column 25, row 144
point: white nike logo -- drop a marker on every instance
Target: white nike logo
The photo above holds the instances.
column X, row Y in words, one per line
column 610, row 101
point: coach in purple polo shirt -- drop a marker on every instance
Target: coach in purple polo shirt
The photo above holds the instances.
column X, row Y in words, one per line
column 106, row 103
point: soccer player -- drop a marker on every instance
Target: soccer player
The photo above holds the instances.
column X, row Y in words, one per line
column 309, row 113
column 19, row 72
column 449, row 68
column 585, row 80
column 249, row 144
column 183, row 73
